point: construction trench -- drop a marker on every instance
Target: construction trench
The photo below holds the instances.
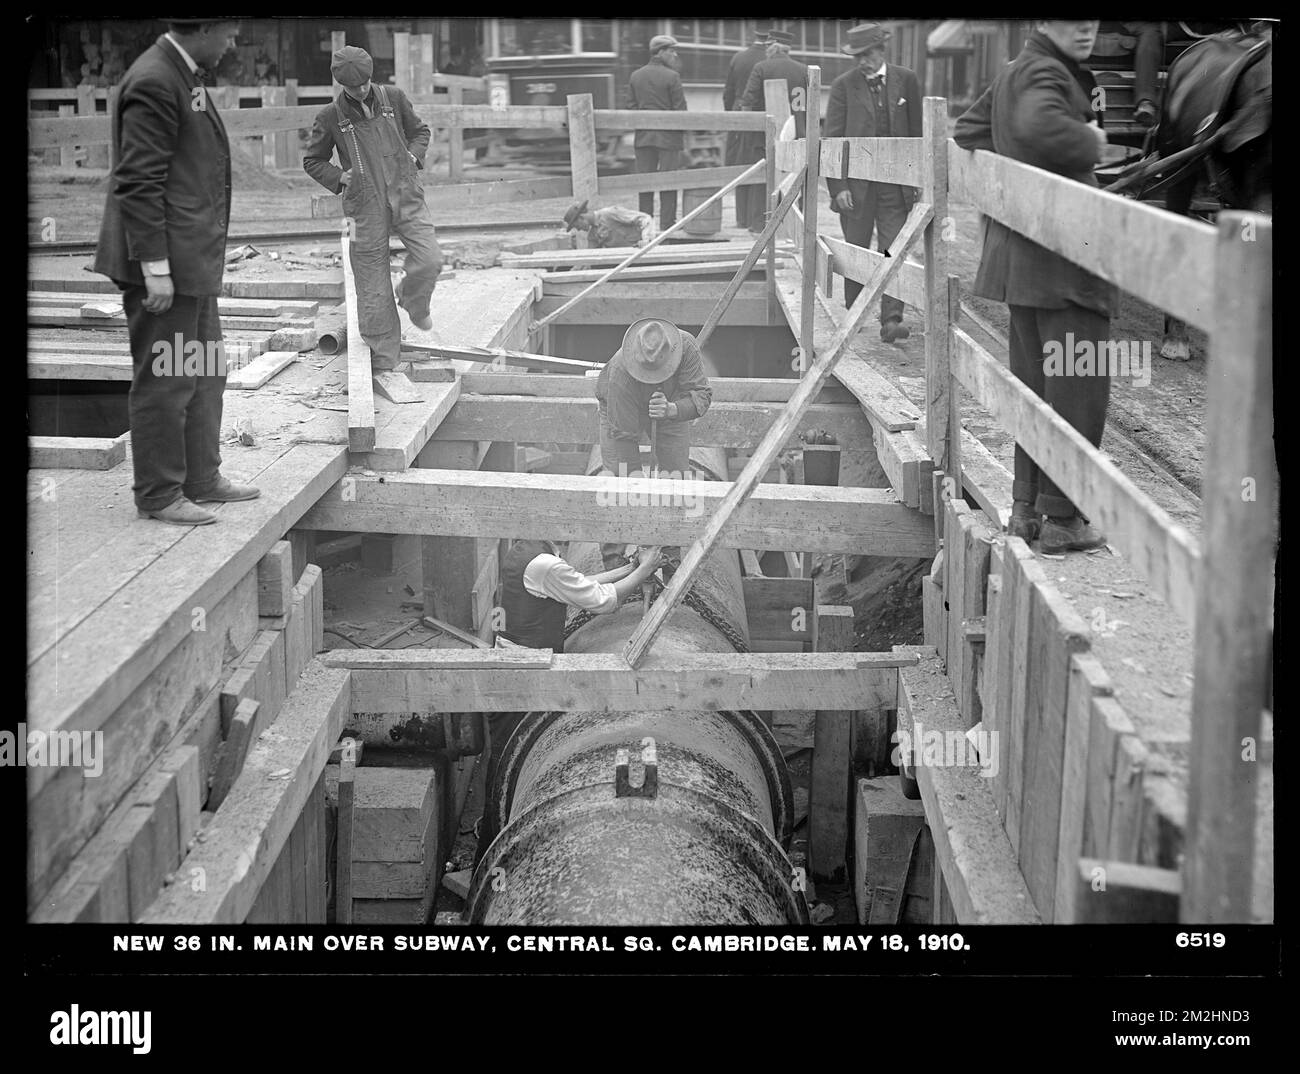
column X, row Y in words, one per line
column 318, row 749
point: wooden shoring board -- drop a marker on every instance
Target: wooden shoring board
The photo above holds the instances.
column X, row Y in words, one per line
column 1019, row 572
column 566, row 386
column 685, row 253
column 253, row 826
column 1165, row 552
column 235, row 307
column 1114, row 893
column 862, row 265
column 880, row 160
column 502, row 358
column 602, row 682
column 977, row 860
column 50, row 272
column 830, row 785
column 811, row 178
column 558, row 284
column 361, row 397
column 966, row 544
column 469, row 503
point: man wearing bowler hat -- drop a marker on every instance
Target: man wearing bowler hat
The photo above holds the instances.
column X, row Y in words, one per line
column 658, row 87
column 647, row 392
column 163, row 242
column 780, row 64
column 875, row 100
column 381, row 144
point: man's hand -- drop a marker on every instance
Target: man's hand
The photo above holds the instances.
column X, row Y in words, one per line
column 649, row 561
column 160, row 293
column 844, row 202
column 1102, row 140
column 660, row 407
column 345, row 179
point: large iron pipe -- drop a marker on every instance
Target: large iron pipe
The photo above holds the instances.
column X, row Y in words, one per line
column 692, row 828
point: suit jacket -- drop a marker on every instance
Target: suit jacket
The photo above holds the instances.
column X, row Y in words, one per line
column 796, row 80
column 1037, row 111
column 738, row 76
column 657, row 87
column 169, row 193
column 326, row 139
column 851, row 113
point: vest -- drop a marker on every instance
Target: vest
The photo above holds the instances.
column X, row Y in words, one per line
column 537, row 622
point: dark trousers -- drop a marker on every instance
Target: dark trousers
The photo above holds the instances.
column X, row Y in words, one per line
column 885, row 212
column 174, row 403
column 622, row 458
column 1080, row 400
column 1147, row 54
column 652, row 159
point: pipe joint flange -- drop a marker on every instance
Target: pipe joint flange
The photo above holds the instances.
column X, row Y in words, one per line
column 650, row 781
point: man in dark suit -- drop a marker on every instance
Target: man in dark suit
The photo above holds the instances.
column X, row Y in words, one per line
column 381, row 144
column 1040, row 110
column 163, row 242
column 658, row 87
column 875, row 100
column 745, row 147
column 780, row 64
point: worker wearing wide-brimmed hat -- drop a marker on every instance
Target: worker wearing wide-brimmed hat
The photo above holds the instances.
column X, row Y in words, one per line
column 381, row 144
column 648, row 392
column 613, row 225
column 658, row 87
column 745, row 147
column 875, row 100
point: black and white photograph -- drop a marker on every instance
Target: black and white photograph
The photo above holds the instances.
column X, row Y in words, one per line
column 649, row 495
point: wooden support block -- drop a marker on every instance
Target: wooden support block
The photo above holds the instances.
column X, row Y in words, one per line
column 396, row 388
column 391, row 911
column 828, row 803
column 394, row 879
column 240, row 685
column 971, row 662
column 299, row 633
column 75, row 452
column 1115, row 893
column 267, row 660
column 431, row 371
column 275, row 580
column 934, row 611
column 245, row 728
column 315, row 864
column 304, row 549
column 260, row 370
column 343, row 901
column 1128, row 801
column 393, row 809
column 885, row 827
column 183, row 764
column 779, row 609
column 1021, row 569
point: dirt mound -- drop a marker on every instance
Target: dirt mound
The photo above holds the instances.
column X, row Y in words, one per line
column 247, row 173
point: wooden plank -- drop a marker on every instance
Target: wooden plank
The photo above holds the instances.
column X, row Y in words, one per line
column 183, row 763
column 630, row 301
column 832, row 767
column 1162, row 550
column 560, row 386
column 254, row 823
column 606, row 188
column 558, row 284
column 361, row 400
column 1234, row 649
column 246, row 725
column 582, row 146
column 1128, row 800
column 402, row 431
column 275, row 580
column 1163, row 259
column 245, row 307
column 1056, row 633
column 75, row 452
column 812, row 198
column 343, row 904
column 864, row 265
column 1088, row 680
column 1115, row 893
column 1108, row 724
column 315, row 864
column 991, row 714
column 682, row 253
column 576, row 420
column 880, row 160
column 743, row 487
column 614, row 186
column 265, row 658
column 954, row 589
column 779, row 609
column 577, row 508
column 501, row 358
column 974, row 854
column 934, row 188
column 602, row 682
column 1020, row 571
column 886, row 828
column 260, row 370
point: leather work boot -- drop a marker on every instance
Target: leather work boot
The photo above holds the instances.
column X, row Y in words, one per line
column 1075, row 534
column 419, row 317
column 892, row 330
column 181, row 512
column 226, row 491
column 1024, row 522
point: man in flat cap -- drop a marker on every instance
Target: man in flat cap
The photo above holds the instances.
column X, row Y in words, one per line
column 163, row 242
column 658, row 87
column 611, row 226
column 648, row 392
column 745, row 147
column 1041, row 110
column 381, row 144
column 780, row 64
column 875, row 100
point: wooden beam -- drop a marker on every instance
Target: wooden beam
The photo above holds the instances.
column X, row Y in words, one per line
column 559, row 420
column 253, row 824
column 582, row 146
column 863, row 265
column 602, row 682
column 1234, row 649
column 717, row 195
column 499, row 358
column 934, row 189
column 880, row 160
column 555, row 283
column 832, row 766
column 1157, row 546
column 75, row 452
column 577, row 508
column 746, row 266
column 361, row 392
column 812, row 196
column 1169, row 261
column 677, row 254
column 260, row 370
column 343, row 858
column 743, row 487
column 560, row 386
column 1122, row 893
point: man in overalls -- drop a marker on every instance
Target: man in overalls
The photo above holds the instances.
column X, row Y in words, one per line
column 381, row 144
column 611, row 226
